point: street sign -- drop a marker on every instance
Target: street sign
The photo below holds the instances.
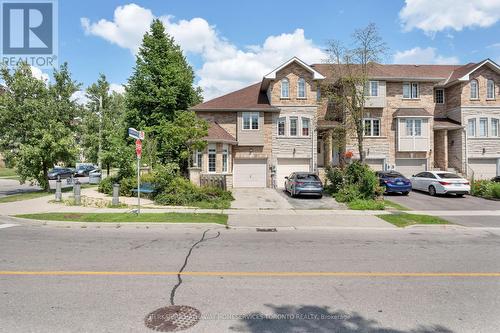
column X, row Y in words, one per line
column 133, row 133
column 138, row 148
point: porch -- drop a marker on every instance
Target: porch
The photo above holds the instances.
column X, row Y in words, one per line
column 448, row 145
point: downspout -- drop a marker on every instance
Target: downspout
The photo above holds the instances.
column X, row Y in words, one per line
column 466, row 160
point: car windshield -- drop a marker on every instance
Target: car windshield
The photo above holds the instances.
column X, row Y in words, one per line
column 448, row 176
column 392, row 174
column 310, row 177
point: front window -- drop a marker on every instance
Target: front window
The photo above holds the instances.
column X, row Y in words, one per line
column 490, row 90
column 372, row 127
column 372, row 88
column 225, row 157
column 411, row 90
column 472, row 127
column 293, row 126
column 212, row 155
column 250, row 120
column 494, row 127
column 483, row 127
column 301, row 88
column 439, row 96
column 474, row 89
column 198, row 159
column 281, row 126
column 285, row 88
column 413, row 127
column 305, row 126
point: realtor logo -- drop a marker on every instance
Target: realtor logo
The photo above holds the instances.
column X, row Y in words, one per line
column 29, row 32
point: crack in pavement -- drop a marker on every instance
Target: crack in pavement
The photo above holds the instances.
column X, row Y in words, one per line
column 179, row 279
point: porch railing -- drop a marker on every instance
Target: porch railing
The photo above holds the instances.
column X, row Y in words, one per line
column 218, row 181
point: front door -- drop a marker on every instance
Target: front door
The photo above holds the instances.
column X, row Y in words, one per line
column 321, row 153
column 335, row 155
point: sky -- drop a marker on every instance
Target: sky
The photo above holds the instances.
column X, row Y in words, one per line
column 231, row 44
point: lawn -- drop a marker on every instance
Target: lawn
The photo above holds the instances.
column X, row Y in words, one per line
column 130, row 217
column 403, row 219
column 6, row 172
column 392, row 204
column 24, row 196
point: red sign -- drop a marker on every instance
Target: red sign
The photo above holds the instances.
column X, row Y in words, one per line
column 138, row 147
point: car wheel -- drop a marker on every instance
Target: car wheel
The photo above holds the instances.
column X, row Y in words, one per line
column 432, row 190
column 406, row 193
column 320, row 196
column 460, row 195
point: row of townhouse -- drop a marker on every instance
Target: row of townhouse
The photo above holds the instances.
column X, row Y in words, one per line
column 418, row 117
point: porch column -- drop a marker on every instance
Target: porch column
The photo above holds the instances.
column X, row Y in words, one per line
column 328, row 151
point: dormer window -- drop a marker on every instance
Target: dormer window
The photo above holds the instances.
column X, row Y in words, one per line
column 285, row 88
column 474, row 89
column 490, row 89
column 301, row 88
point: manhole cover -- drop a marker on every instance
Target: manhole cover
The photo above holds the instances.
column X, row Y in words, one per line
column 172, row 318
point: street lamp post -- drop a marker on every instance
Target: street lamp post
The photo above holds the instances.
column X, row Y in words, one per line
column 99, row 161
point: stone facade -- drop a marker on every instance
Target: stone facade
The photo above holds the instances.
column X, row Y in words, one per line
column 293, row 72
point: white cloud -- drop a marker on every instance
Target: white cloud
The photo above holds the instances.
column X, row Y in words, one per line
column 117, row 88
column 38, row 74
column 225, row 67
column 80, row 97
column 419, row 55
column 433, row 16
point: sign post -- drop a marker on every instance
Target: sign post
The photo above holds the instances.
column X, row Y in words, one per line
column 138, row 136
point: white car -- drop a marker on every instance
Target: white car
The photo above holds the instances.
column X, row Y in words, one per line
column 440, row 182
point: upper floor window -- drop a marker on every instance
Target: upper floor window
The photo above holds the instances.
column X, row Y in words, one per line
column 494, row 127
column 413, row 127
column 371, row 88
column 411, row 90
column 483, row 127
column 250, row 120
column 471, row 127
column 281, row 126
column 305, row 126
column 439, row 96
column 474, row 89
column 490, row 89
column 285, row 88
column 371, row 126
column 293, row 126
column 318, row 93
column 301, row 88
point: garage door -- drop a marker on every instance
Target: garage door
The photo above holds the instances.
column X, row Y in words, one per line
column 409, row 166
column 376, row 164
column 249, row 173
column 484, row 168
column 288, row 165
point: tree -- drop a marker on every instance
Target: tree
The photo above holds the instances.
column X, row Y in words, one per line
column 161, row 85
column 351, row 67
column 37, row 120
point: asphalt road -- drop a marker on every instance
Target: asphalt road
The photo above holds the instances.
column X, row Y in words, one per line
column 12, row 186
column 240, row 302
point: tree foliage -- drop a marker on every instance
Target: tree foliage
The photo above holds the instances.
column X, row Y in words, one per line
column 351, row 68
column 37, row 121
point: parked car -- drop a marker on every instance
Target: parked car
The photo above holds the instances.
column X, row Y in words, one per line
column 394, row 182
column 303, row 183
column 84, row 170
column 60, row 173
column 496, row 179
column 440, row 182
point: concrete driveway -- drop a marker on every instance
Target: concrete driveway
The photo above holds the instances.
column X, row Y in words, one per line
column 258, row 198
column 311, row 202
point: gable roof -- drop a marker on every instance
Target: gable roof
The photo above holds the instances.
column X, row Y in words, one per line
column 218, row 134
column 250, row 98
column 411, row 112
column 316, row 75
column 462, row 73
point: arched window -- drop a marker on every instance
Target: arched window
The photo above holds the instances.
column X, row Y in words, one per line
column 285, row 88
column 474, row 89
column 301, row 88
column 490, row 89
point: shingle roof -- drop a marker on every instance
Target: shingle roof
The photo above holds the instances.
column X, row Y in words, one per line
column 446, row 123
column 218, row 134
column 249, row 98
column 411, row 112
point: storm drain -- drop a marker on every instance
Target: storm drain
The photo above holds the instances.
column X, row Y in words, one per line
column 267, row 229
column 172, row 318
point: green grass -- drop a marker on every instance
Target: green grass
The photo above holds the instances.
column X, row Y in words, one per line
column 130, row 217
column 403, row 219
column 218, row 204
column 6, row 172
column 392, row 204
column 24, row 196
column 360, row 204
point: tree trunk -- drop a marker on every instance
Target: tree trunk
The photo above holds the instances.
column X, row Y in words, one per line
column 46, row 184
column 107, row 170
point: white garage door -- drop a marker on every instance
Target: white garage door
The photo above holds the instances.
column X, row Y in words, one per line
column 288, row 165
column 484, row 168
column 410, row 166
column 249, row 173
column 376, row 164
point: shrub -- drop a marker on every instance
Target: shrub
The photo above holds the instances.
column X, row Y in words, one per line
column 335, row 178
column 361, row 204
column 482, row 188
column 495, row 190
